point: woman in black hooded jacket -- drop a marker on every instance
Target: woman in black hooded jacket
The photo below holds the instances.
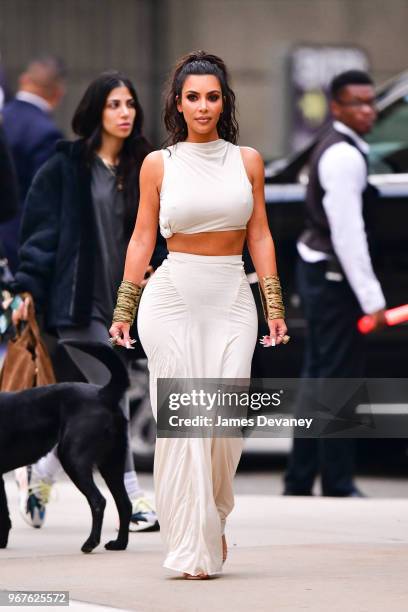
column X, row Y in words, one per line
column 79, row 215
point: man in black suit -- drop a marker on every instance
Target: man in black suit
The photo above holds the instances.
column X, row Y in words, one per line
column 31, row 133
column 8, row 199
column 3, row 88
column 8, row 186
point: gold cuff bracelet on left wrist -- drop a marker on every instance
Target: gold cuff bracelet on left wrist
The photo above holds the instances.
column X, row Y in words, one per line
column 127, row 302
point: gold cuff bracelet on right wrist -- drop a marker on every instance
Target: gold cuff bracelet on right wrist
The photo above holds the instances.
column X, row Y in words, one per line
column 271, row 297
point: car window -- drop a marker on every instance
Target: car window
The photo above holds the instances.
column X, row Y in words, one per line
column 389, row 140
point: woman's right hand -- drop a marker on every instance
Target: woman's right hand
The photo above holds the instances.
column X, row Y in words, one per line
column 119, row 333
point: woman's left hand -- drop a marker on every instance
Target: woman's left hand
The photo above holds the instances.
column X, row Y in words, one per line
column 277, row 330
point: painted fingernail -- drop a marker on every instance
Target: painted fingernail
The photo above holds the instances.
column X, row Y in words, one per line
column 273, row 342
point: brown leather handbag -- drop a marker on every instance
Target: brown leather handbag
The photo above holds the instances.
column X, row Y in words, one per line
column 27, row 363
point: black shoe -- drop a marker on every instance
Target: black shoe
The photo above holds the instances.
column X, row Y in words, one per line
column 356, row 493
column 353, row 493
column 298, row 493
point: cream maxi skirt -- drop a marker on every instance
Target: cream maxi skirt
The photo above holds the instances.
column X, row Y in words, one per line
column 197, row 319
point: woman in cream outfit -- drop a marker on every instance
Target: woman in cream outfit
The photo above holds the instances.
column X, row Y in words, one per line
column 197, row 317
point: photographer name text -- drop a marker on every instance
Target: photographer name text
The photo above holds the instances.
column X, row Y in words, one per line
column 220, row 421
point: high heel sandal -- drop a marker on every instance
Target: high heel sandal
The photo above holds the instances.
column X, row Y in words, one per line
column 198, row 577
column 206, row 576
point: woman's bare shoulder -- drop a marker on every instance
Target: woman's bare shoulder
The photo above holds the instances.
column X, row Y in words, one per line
column 251, row 155
column 153, row 165
column 155, row 158
column 253, row 163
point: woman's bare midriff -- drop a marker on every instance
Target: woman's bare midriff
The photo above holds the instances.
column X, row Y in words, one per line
column 208, row 243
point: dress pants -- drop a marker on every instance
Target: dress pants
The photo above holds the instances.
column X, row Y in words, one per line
column 196, row 319
column 334, row 349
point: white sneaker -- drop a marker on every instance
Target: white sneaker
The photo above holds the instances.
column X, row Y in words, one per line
column 144, row 517
column 34, row 495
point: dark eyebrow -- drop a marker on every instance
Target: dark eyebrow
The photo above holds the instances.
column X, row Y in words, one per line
column 208, row 92
column 118, row 100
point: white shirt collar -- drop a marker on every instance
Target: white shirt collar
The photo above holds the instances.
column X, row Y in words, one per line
column 26, row 96
column 344, row 129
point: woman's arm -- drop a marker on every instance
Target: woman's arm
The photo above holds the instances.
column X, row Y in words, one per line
column 143, row 240
column 259, row 238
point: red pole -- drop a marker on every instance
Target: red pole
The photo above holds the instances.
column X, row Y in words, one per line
column 393, row 316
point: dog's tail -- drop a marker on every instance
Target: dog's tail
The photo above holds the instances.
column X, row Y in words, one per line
column 119, row 380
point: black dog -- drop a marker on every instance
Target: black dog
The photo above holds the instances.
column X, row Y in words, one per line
column 90, row 430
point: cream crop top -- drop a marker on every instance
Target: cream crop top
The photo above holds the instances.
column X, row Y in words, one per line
column 205, row 188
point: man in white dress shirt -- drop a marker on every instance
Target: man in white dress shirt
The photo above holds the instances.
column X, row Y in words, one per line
column 336, row 279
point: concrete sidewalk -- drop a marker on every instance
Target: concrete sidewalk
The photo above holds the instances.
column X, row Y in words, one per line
column 285, row 553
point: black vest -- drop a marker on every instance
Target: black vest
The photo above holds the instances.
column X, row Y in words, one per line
column 317, row 232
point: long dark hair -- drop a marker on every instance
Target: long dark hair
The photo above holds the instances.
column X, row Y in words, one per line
column 87, row 124
column 199, row 62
